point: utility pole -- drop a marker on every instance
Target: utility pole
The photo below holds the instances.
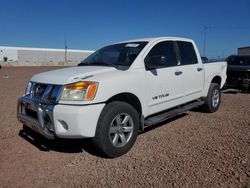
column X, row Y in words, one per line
column 205, row 28
column 65, row 53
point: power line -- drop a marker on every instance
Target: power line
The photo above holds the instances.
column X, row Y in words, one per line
column 232, row 27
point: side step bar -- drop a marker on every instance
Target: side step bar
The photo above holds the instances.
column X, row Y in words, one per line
column 171, row 113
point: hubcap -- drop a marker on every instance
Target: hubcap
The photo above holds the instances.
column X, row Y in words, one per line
column 215, row 98
column 121, row 130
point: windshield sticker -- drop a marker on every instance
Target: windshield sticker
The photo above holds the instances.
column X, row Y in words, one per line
column 132, row 45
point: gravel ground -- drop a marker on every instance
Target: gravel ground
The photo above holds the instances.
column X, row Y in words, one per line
column 192, row 150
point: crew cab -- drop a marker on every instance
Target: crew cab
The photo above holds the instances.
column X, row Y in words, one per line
column 120, row 90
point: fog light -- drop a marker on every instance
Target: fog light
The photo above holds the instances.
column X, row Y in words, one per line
column 64, row 124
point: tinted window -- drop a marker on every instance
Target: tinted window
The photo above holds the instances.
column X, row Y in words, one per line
column 187, row 53
column 167, row 51
column 238, row 60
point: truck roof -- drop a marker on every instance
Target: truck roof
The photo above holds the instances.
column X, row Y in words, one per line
column 157, row 38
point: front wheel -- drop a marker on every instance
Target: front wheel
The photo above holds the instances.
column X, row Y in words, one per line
column 117, row 129
column 212, row 101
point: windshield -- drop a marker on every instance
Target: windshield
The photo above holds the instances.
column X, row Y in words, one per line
column 122, row 54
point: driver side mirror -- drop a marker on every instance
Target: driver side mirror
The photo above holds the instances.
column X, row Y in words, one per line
column 155, row 62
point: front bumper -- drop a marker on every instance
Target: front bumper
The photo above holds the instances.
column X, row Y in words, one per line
column 36, row 115
column 57, row 120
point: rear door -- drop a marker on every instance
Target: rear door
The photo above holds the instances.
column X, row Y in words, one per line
column 165, row 87
column 193, row 73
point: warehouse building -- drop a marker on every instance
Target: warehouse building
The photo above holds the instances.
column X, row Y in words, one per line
column 40, row 56
column 244, row 51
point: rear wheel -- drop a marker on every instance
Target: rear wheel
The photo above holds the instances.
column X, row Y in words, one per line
column 117, row 129
column 212, row 101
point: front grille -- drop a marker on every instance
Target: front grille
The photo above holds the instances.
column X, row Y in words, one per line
column 38, row 90
column 31, row 113
column 47, row 93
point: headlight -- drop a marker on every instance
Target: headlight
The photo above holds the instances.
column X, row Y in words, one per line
column 28, row 89
column 79, row 91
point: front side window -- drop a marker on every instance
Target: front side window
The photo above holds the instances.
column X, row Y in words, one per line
column 163, row 51
column 122, row 54
column 187, row 53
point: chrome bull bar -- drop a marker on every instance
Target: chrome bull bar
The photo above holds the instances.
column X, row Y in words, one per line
column 36, row 115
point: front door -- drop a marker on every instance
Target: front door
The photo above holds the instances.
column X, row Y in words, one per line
column 164, row 83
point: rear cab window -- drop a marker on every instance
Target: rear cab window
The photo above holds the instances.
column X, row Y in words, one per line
column 187, row 53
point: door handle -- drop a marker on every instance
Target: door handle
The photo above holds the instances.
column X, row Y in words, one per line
column 199, row 69
column 177, row 73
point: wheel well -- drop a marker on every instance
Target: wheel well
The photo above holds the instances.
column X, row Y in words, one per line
column 216, row 80
column 128, row 98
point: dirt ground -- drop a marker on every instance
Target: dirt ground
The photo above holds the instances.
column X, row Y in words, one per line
column 192, row 150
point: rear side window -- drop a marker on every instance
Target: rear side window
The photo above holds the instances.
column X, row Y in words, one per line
column 187, row 53
column 165, row 49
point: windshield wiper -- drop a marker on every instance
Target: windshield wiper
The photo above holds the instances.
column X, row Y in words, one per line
column 97, row 63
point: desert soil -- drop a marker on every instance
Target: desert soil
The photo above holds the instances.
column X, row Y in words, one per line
column 192, row 150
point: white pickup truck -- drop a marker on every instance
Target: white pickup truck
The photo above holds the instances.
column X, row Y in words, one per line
column 121, row 89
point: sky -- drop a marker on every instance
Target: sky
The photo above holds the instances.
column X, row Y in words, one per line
column 89, row 25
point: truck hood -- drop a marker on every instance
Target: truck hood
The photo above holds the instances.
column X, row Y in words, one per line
column 70, row 75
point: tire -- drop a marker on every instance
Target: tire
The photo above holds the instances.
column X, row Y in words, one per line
column 117, row 129
column 212, row 101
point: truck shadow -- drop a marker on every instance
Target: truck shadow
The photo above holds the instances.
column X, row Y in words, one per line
column 74, row 145
column 58, row 144
column 235, row 91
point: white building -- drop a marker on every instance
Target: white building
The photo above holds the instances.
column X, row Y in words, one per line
column 41, row 55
